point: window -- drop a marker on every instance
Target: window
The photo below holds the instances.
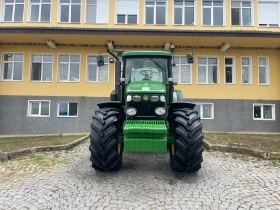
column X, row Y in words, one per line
column 241, row 13
column 207, row 70
column 41, row 67
column 13, row 10
column 97, row 11
column 264, row 111
column 69, row 68
column 95, row 73
column 229, row 70
column 213, row 13
column 126, row 11
column 268, row 13
column 246, row 70
column 69, row 11
column 38, row 109
column 184, row 12
column 67, row 110
column 182, row 72
column 205, row 110
column 12, row 66
column 155, row 12
column 263, row 71
column 40, row 10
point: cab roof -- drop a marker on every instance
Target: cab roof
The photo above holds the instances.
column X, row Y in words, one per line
column 146, row 53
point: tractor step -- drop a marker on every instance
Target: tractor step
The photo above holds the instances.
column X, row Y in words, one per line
column 145, row 136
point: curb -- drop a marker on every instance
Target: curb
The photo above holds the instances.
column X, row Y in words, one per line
column 12, row 155
column 242, row 150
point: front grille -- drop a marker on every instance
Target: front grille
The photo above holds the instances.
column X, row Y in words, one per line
column 145, row 108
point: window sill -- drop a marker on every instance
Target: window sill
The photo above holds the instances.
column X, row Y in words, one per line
column 98, row 82
column 67, row 116
column 38, row 116
column 207, row 118
column 213, row 25
column 208, row 83
column 68, row 81
column 29, row 21
column 37, row 81
column 268, row 84
column 182, row 25
column 126, row 23
column 7, row 80
column 155, row 24
column 238, row 26
column 2, row 21
column 230, row 83
column 246, row 83
column 69, row 23
column 263, row 119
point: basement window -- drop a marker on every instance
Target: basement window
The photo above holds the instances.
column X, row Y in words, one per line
column 205, row 110
column 38, row 108
column 264, row 111
column 67, row 109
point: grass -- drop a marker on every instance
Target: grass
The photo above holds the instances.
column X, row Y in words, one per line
column 262, row 142
column 9, row 144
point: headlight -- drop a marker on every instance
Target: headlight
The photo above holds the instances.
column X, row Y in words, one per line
column 131, row 111
column 136, row 98
column 128, row 98
column 154, row 98
column 162, row 98
column 160, row 110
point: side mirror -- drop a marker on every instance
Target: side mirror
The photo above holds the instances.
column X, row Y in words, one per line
column 100, row 60
column 190, row 58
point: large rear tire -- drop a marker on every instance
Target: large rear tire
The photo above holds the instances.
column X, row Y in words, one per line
column 186, row 152
column 106, row 154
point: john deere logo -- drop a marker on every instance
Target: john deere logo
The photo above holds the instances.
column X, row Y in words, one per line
column 145, row 98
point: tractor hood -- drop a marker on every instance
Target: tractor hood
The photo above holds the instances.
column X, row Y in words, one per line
column 146, row 87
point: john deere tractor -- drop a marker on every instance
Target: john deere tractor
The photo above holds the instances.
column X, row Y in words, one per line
column 145, row 114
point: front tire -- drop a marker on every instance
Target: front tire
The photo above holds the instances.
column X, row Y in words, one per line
column 105, row 128
column 186, row 153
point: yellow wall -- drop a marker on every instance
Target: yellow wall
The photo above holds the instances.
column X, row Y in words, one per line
column 194, row 90
column 169, row 24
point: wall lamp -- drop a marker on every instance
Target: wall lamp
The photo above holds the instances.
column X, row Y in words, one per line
column 51, row 43
column 166, row 46
column 225, row 46
column 110, row 45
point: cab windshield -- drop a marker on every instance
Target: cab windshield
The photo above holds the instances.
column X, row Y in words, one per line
column 145, row 69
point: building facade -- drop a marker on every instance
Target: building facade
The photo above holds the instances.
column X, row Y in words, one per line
column 50, row 82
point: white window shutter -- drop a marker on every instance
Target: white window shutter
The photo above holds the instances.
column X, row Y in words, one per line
column 127, row 7
column 102, row 11
column 268, row 12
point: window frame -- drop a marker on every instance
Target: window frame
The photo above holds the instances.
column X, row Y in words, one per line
column 233, row 70
column 30, row 68
column 126, row 15
column 154, row 18
column 67, row 116
column 58, row 68
column 13, row 15
column 201, row 110
column 241, row 17
column 108, row 71
column 69, row 12
column 268, row 25
column 218, row 70
column 183, row 16
column 40, row 11
column 3, row 68
column 250, row 69
column 267, row 71
column 40, row 110
column 212, row 6
column 262, row 105
column 180, row 65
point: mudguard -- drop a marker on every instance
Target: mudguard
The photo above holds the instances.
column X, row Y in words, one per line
column 112, row 104
column 181, row 105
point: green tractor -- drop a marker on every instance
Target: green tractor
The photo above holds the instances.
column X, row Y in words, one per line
column 145, row 114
